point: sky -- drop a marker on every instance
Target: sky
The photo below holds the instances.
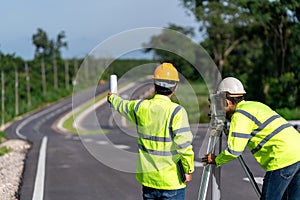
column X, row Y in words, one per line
column 86, row 23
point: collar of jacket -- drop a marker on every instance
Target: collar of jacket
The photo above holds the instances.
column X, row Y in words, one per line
column 163, row 97
column 240, row 103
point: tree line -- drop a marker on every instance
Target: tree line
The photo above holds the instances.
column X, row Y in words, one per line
column 30, row 84
column 27, row 85
column 255, row 41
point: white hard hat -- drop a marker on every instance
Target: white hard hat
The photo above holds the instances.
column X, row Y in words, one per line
column 232, row 86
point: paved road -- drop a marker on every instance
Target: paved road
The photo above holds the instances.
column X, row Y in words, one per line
column 74, row 170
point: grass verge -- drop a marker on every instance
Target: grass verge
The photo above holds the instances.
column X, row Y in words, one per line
column 3, row 149
column 68, row 123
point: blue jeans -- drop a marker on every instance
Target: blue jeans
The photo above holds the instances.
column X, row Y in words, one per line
column 156, row 194
column 282, row 183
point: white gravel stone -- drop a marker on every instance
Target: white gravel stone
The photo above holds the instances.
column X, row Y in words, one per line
column 11, row 168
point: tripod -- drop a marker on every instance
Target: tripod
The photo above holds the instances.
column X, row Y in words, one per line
column 216, row 129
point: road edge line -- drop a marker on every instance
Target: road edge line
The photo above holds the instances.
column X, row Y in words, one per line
column 38, row 192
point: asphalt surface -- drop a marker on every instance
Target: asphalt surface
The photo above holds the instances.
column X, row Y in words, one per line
column 82, row 167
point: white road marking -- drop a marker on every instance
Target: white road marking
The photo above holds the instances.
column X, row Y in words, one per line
column 35, row 116
column 121, row 146
column 87, row 140
column 38, row 192
column 76, row 138
column 258, row 180
column 102, row 142
column 65, row 166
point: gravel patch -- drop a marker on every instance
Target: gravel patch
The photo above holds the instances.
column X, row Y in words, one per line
column 11, row 168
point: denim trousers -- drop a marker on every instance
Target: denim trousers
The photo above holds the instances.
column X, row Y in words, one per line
column 156, row 194
column 282, row 183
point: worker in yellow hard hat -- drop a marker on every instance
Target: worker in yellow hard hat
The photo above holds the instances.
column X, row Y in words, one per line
column 165, row 156
column 274, row 142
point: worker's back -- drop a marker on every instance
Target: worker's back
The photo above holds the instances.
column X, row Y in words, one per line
column 164, row 138
column 157, row 119
column 154, row 116
column 273, row 141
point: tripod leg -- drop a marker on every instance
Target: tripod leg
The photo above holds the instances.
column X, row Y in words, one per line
column 250, row 176
column 205, row 176
column 216, row 176
column 207, row 170
column 216, row 187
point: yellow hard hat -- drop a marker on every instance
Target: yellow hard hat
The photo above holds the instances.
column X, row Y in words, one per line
column 166, row 71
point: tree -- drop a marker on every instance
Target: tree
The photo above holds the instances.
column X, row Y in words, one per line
column 46, row 48
column 256, row 41
column 59, row 44
column 276, row 24
column 40, row 40
column 222, row 24
column 171, row 46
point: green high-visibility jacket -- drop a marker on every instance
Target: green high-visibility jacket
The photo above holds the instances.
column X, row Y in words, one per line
column 272, row 140
column 164, row 138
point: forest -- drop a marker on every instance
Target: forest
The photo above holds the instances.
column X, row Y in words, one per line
column 255, row 41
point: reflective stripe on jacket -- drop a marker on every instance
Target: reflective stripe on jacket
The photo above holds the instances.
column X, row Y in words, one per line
column 271, row 139
column 164, row 137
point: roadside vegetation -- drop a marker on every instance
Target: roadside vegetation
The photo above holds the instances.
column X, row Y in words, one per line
column 198, row 107
column 255, row 41
column 3, row 149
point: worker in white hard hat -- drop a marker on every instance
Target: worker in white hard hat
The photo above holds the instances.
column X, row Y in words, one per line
column 274, row 143
column 165, row 155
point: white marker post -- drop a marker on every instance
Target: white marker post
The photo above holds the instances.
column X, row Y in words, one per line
column 113, row 83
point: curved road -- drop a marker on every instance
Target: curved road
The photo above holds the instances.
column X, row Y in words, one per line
column 72, row 172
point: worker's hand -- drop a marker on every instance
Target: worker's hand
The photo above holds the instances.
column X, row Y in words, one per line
column 108, row 95
column 209, row 159
column 188, row 177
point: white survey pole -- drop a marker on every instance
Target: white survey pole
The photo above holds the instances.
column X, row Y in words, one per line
column 113, row 83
